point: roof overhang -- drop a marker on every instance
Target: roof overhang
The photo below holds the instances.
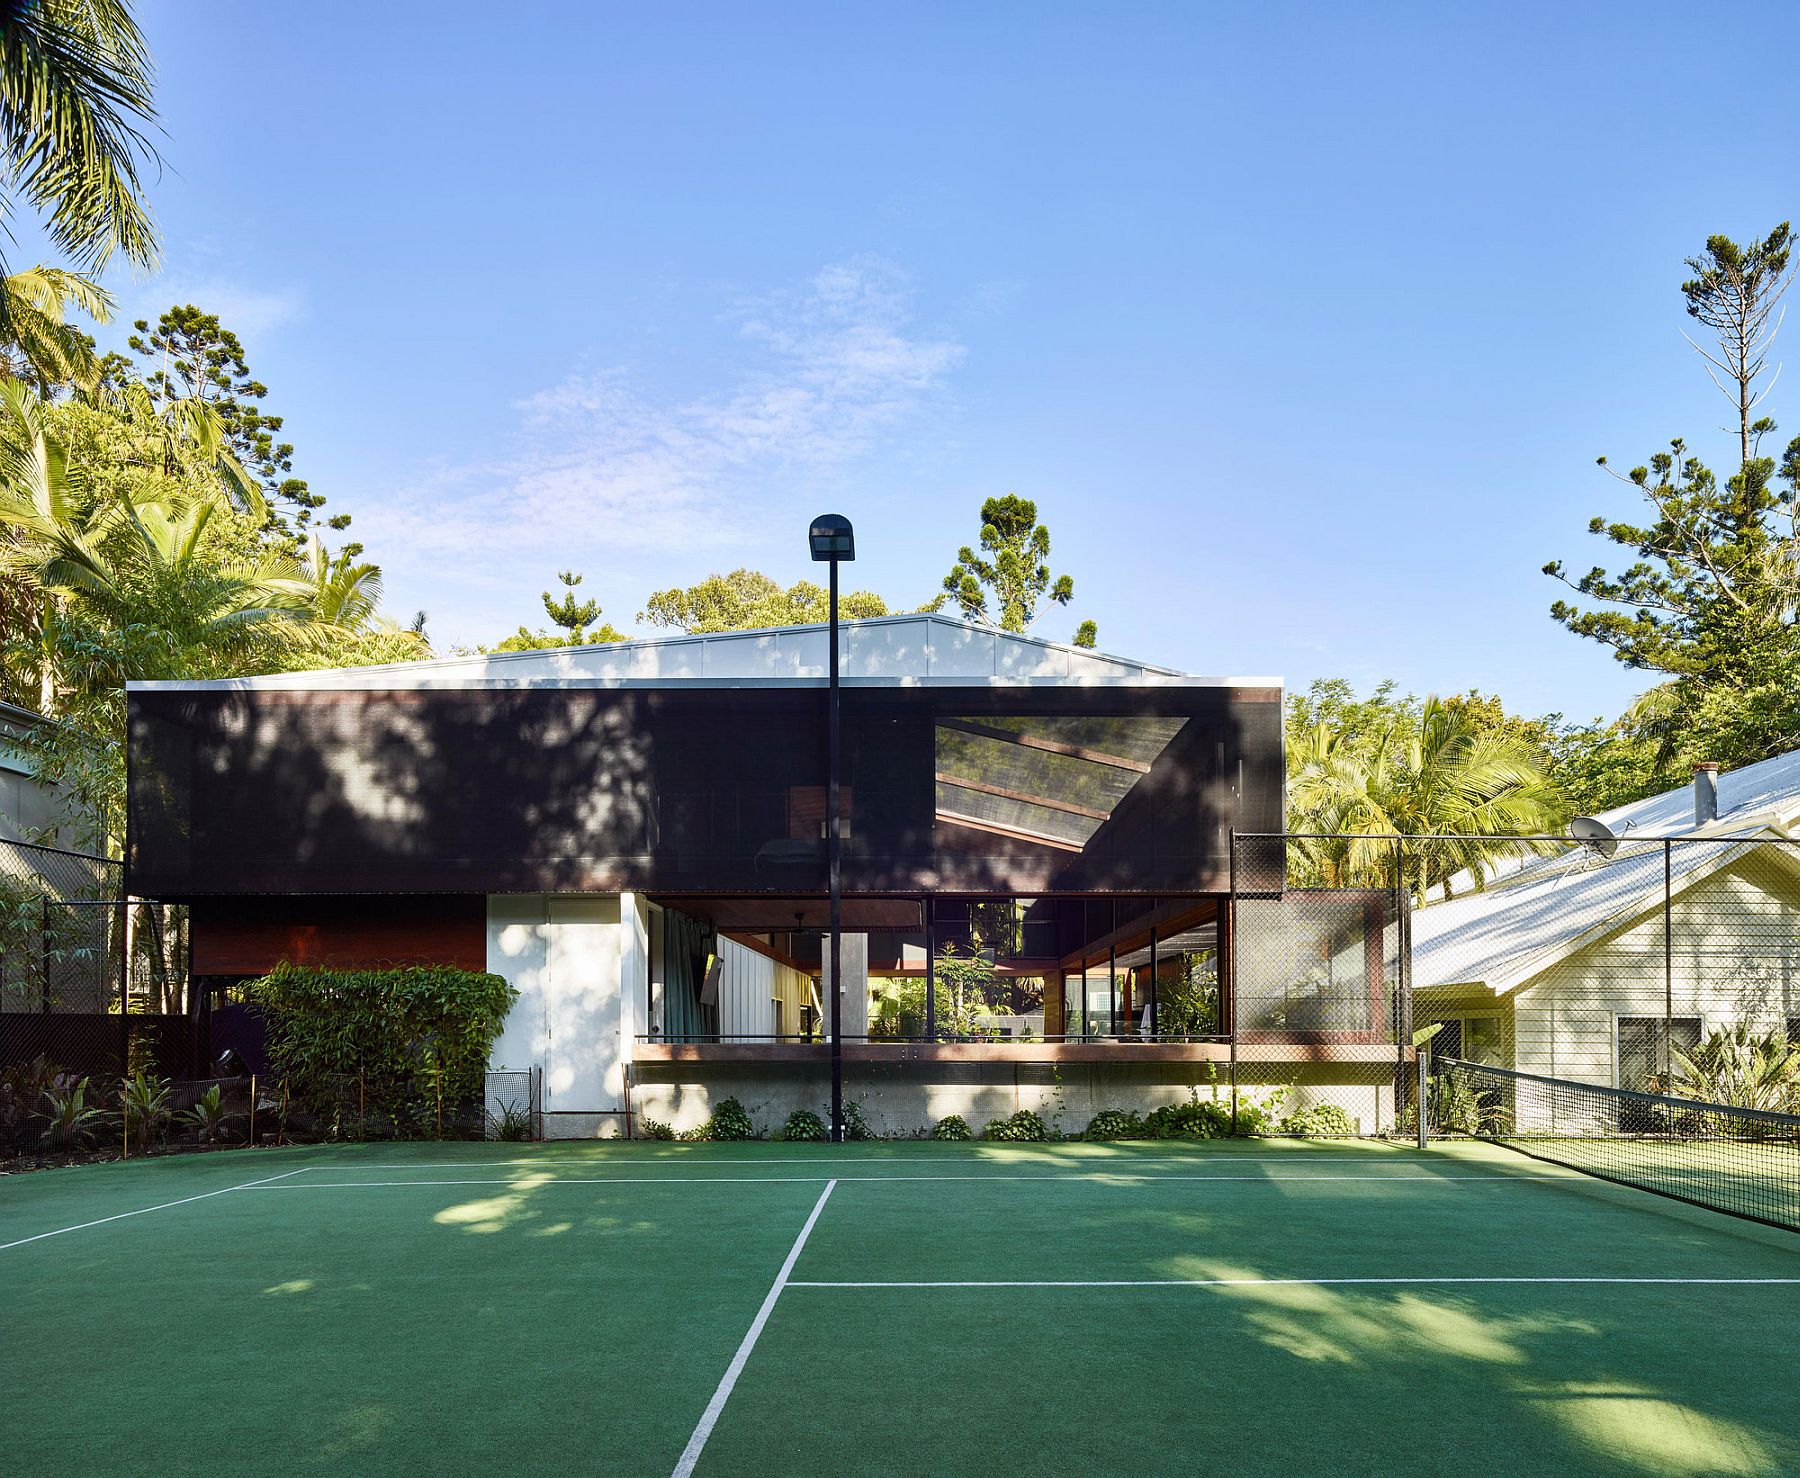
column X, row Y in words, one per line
column 920, row 650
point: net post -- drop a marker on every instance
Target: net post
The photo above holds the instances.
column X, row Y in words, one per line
column 1420, row 1057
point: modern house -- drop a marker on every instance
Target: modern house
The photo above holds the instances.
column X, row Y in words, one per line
column 1037, row 867
column 1570, row 964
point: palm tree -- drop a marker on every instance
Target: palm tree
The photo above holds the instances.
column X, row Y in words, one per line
column 38, row 344
column 1430, row 773
column 1741, row 1066
column 340, row 592
column 130, row 588
column 75, row 96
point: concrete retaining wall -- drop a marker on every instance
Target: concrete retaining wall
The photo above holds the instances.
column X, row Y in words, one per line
column 908, row 1098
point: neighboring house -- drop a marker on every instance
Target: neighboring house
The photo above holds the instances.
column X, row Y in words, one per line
column 1569, row 965
column 601, row 824
column 30, row 810
column 53, row 851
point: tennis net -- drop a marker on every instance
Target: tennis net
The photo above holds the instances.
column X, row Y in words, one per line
column 1742, row 1161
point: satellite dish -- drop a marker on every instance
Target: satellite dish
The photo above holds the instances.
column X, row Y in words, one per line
column 1596, row 836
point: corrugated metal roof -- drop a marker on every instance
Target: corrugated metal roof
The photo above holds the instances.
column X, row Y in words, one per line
column 1545, row 907
column 1515, row 930
column 920, row 649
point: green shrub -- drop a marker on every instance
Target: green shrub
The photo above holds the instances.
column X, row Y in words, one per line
column 951, row 1126
column 1322, row 1119
column 68, row 1120
column 654, row 1129
column 730, row 1121
column 803, row 1124
column 512, row 1123
column 146, row 1109
column 855, row 1125
column 1022, row 1127
column 22, row 1089
column 209, row 1116
column 1116, row 1124
column 406, row 1045
column 1196, row 1119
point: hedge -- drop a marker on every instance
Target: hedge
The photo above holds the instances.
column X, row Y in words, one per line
column 408, row 1045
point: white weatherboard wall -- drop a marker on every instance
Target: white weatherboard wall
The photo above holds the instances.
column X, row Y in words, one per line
column 758, row 996
column 854, row 950
column 564, row 954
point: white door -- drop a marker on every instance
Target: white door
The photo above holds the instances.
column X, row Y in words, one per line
column 583, row 1062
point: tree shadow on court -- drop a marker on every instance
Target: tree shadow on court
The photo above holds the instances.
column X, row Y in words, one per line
column 1507, row 1357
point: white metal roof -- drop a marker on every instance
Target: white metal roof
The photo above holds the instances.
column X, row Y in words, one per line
column 922, row 649
column 1547, row 907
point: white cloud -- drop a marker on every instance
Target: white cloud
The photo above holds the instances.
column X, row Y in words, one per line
column 252, row 313
column 814, row 378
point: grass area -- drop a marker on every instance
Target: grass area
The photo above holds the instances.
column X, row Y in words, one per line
column 1257, row 1306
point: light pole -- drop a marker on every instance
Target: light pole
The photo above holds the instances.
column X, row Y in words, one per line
column 834, row 541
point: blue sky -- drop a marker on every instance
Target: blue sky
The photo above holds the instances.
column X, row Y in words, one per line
column 1302, row 324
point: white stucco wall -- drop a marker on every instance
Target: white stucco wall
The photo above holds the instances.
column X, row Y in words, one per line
column 564, row 954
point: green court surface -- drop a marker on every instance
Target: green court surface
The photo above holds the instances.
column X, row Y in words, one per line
column 1252, row 1307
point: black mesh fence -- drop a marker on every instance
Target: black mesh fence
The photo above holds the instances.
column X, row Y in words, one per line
column 91, row 985
column 47, row 1111
column 1744, row 1161
column 1319, row 957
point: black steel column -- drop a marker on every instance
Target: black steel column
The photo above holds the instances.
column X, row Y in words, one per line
column 930, row 972
column 831, row 863
column 1229, row 990
column 1155, row 1019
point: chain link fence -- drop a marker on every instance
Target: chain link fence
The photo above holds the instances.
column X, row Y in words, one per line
column 1645, row 965
column 1648, row 965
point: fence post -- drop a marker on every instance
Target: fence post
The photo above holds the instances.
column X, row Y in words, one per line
column 1668, row 1084
column 125, row 987
column 44, row 954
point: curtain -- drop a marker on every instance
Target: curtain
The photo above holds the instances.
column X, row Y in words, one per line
column 685, row 945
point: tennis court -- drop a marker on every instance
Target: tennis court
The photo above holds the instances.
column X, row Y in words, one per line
column 1259, row 1306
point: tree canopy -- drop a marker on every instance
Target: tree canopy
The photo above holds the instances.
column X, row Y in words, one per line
column 1006, row 583
column 573, row 615
column 748, row 600
column 190, row 357
column 1458, row 768
column 1710, row 595
column 75, row 104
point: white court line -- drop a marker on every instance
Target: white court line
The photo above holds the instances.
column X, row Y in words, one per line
column 1094, row 1177
column 710, row 1417
column 1289, row 1282
column 701, row 1162
column 146, row 1210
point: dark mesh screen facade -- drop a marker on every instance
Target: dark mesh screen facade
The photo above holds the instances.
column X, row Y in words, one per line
column 989, row 789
